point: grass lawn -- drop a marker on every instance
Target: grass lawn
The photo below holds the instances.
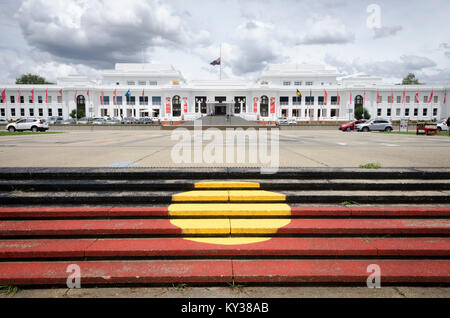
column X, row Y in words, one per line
column 20, row 133
column 442, row 133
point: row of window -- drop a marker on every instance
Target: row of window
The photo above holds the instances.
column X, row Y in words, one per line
column 408, row 99
column 141, row 83
column 40, row 99
column 398, row 112
column 143, row 100
column 31, row 112
column 288, row 83
column 312, row 113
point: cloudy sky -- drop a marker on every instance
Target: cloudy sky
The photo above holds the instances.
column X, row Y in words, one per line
column 384, row 38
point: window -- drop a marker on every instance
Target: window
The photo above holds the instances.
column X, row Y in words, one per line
column 153, row 83
column 389, row 112
column 40, row 99
column 296, row 100
column 143, row 100
column 436, row 99
column 322, row 85
column 390, row 99
column 142, row 83
column 286, row 83
column 12, row 99
column 416, row 112
column 408, row 99
column 320, row 100
column 49, row 98
column 399, row 99
column 379, row 112
column 131, row 100
column 22, row 99
column 59, row 100
column 60, row 112
column 22, row 112
column 406, row 111
column 309, row 100
column 298, row 83
column 425, row 99
column 435, row 111
column 13, row 112
column 425, row 112
column 296, row 113
column 2, row 112
column 119, row 100
column 105, row 100
column 117, row 83
column 284, row 100
column 30, row 100
column 50, row 112
column 309, row 83
column 130, row 83
column 31, row 112
column 156, row 100
column 333, row 113
column 41, row 112
column 381, row 99
column 398, row 112
column 333, row 100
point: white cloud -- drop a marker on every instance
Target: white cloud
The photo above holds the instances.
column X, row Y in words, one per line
column 385, row 31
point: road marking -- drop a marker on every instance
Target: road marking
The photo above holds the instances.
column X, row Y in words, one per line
column 342, row 144
column 390, row 145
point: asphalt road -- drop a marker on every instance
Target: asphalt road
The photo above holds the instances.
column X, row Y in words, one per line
column 296, row 148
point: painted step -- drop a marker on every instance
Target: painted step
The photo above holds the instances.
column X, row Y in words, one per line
column 222, row 271
column 340, row 271
column 178, row 247
column 229, row 210
column 229, row 196
column 236, row 227
column 118, row 272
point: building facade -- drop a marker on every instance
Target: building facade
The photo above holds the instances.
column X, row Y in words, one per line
column 160, row 91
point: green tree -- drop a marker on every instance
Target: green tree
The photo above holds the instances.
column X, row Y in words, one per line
column 359, row 111
column 411, row 79
column 77, row 113
column 31, row 79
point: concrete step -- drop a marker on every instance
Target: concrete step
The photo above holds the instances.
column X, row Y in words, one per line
column 89, row 249
column 224, row 227
column 233, row 210
column 226, row 271
column 188, row 185
column 166, row 197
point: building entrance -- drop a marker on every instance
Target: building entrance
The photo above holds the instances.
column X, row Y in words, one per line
column 220, row 110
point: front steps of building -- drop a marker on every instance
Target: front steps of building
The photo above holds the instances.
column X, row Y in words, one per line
column 220, row 226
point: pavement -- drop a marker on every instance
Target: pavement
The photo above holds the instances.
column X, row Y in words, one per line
column 153, row 148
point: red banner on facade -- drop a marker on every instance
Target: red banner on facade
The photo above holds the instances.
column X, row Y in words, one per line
column 272, row 105
column 185, row 104
column 255, row 105
column 168, row 106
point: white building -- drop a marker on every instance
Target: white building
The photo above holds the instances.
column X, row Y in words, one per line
column 161, row 91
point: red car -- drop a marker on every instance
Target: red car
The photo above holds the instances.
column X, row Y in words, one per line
column 351, row 125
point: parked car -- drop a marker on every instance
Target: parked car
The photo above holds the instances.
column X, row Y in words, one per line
column 71, row 121
column 3, row 121
column 144, row 121
column 33, row 124
column 282, row 121
column 113, row 121
column 375, row 125
column 99, row 121
column 85, row 120
column 441, row 126
column 128, row 120
column 351, row 125
column 55, row 120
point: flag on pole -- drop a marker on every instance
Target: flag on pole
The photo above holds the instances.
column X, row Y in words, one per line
column 299, row 94
column 325, row 97
column 364, row 98
column 61, row 91
column 378, row 96
column 392, row 96
column 445, row 97
column 46, row 96
column 19, row 96
column 216, row 62
column 101, row 97
column 32, row 96
column 4, row 96
column 431, row 97
column 127, row 94
column 143, row 93
column 115, row 97
column 404, row 97
column 417, row 96
column 338, row 98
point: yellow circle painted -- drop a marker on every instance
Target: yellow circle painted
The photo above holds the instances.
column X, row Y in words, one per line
column 218, row 228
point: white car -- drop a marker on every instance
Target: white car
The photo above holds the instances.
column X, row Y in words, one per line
column 3, row 121
column 99, row 121
column 33, row 124
column 441, row 126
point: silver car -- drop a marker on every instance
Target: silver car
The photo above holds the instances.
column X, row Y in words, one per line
column 441, row 125
column 375, row 125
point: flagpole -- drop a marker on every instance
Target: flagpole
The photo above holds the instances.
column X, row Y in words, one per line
column 220, row 61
